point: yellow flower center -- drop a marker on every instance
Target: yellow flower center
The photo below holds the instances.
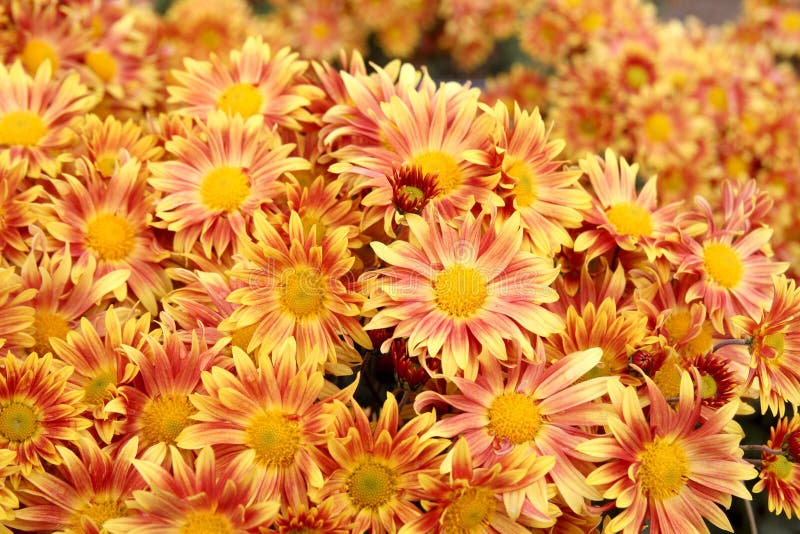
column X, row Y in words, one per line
column 790, row 21
column 735, row 165
column 18, row 421
column 460, row 291
column 628, row 218
column 668, row 378
column 708, row 386
column 658, row 127
column 241, row 336
column 165, row 417
column 106, row 163
column 677, row 328
column 36, row 52
column 274, row 437
column 592, row 22
column 47, row 324
column 102, row 63
column 320, row 30
column 664, row 470
column 100, row 388
column 444, row 166
column 525, row 189
column 100, row 512
column 722, row 264
column 515, row 417
column 302, row 292
column 718, row 98
column 776, row 341
column 371, row 485
column 206, row 523
column 210, row 39
column 242, row 98
column 636, row 76
column 110, row 237
column 781, row 466
column 23, row 128
column 310, row 221
column 471, row 509
column 225, row 189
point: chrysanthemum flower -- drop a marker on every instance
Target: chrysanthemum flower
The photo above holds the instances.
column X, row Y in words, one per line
column 621, row 216
column 17, row 208
column 460, row 292
column 87, row 491
column 15, row 309
column 62, row 300
column 265, row 422
column 37, row 410
column 252, row 82
column 775, row 346
column 215, row 27
column 377, row 467
column 469, row 499
column 220, row 177
column 320, row 30
column 204, row 497
column 156, row 406
column 35, row 112
column 9, row 501
column 104, row 224
column 534, row 183
column 780, row 473
column 536, row 408
column 296, row 288
column 323, row 517
column 671, row 467
column 100, row 366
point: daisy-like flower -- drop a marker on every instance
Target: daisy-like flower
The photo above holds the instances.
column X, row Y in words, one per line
column 156, row 405
column 670, row 467
column 35, row 113
column 534, row 183
column 297, row 288
column 469, row 499
column 89, row 490
column 100, row 366
column 378, row 465
column 621, row 217
column 323, row 517
column 204, row 497
column 780, row 473
column 266, row 422
column 17, row 208
column 221, row 175
column 104, row 224
column 199, row 30
column 461, row 292
column 536, row 408
column 320, row 30
column 17, row 313
column 252, row 82
column 775, row 346
column 9, row 500
column 37, row 410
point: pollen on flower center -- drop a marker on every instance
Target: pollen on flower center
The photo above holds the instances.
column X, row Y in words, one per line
column 110, row 236
column 628, row 218
column 225, row 189
column 165, row 417
column 781, row 467
column 302, row 292
column 776, row 341
column 460, row 291
column 790, row 21
column 206, row 523
column 18, row 421
column 210, row 39
column 441, row 164
column 664, row 470
column 47, row 324
column 102, row 63
column 99, row 389
column 371, row 485
column 658, row 127
column 36, row 52
column 469, row 510
column 242, row 98
column 636, row 76
column 101, row 511
column 708, row 386
column 515, row 417
column 320, row 30
column 718, row 98
column 274, row 437
column 722, row 264
column 525, row 188
column 24, row 128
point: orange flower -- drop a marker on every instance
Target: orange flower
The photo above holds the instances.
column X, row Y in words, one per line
column 37, row 410
column 669, row 467
column 15, row 308
column 17, row 208
column 221, row 175
column 378, row 465
column 780, row 474
column 103, row 140
column 35, row 113
column 323, row 517
column 85, row 492
column 458, row 293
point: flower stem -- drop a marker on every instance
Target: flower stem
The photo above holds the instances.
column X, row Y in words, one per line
column 761, row 448
column 751, row 517
column 726, row 342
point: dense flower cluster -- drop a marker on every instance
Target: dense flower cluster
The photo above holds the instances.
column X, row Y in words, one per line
column 248, row 292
